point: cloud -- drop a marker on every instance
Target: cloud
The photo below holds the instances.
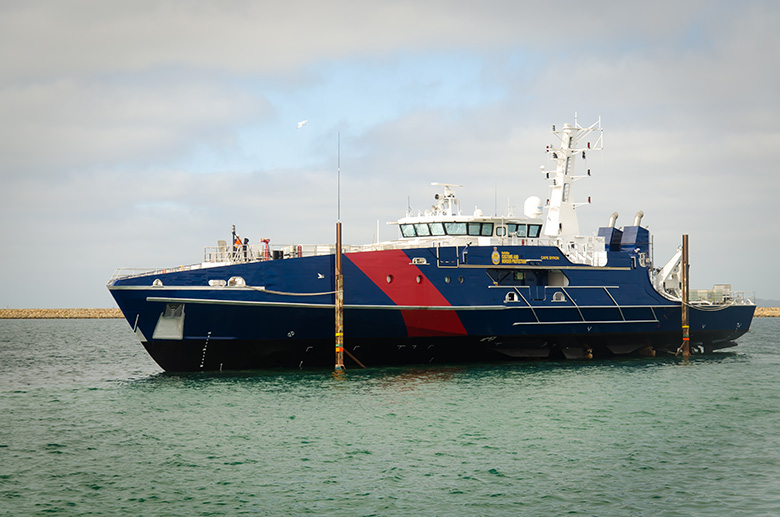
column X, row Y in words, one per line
column 68, row 123
column 86, row 37
column 134, row 133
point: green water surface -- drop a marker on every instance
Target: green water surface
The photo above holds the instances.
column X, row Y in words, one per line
column 90, row 425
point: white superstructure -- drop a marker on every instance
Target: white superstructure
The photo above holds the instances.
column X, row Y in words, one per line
column 561, row 218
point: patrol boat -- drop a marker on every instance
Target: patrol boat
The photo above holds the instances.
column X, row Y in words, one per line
column 451, row 288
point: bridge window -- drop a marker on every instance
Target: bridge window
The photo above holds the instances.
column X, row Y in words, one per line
column 480, row 229
column 534, row 230
column 422, row 229
column 437, row 229
column 455, row 228
column 518, row 229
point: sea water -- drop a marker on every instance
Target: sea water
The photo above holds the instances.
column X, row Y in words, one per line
column 90, row 425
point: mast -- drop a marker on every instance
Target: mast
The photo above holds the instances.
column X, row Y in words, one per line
column 561, row 215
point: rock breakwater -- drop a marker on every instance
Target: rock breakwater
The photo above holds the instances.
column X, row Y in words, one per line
column 59, row 313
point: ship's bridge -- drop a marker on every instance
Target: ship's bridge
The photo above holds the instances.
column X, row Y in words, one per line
column 444, row 219
column 471, row 226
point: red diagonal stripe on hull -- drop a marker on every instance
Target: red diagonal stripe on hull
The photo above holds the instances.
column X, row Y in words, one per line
column 404, row 290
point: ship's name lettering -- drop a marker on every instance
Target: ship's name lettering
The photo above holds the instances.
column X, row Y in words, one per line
column 549, row 257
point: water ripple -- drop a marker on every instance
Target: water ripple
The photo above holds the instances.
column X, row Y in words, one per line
column 90, row 425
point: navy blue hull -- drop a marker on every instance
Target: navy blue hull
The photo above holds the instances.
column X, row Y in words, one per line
column 434, row 305
column 218, row 355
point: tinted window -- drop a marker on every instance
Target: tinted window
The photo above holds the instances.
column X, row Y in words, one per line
column 475, row 228
column 517, row 228
column 407, row 230
column 533, row 230
column 422, row 229
column 437, row 229
column 487, row 229
column 455, row 228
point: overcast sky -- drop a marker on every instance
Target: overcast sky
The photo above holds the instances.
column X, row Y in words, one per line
column 133, row 134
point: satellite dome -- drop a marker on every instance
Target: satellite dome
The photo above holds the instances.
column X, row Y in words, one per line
column 532, row 207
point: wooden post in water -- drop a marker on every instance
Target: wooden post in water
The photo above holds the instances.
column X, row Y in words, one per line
column 339, row 303
column 339, row 280
column 686, row 344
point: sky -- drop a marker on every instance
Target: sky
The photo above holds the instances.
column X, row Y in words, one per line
column 134, row 134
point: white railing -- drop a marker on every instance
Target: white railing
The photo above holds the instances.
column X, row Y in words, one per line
column 129, row 272
column 720, row 295
column 585, row 250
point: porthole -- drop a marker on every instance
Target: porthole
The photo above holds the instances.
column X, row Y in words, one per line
column 446, row 280
column 460, row 279
column 389, row 279
column 419, row 279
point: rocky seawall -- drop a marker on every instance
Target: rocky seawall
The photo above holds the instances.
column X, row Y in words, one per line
column 761, row 312
column 27, row 314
